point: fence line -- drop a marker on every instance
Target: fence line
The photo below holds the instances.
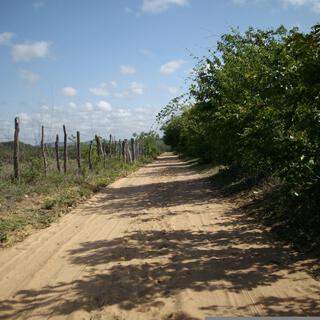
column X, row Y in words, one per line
column 127, row 150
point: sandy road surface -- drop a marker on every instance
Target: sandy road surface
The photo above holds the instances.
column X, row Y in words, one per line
column 159, row 244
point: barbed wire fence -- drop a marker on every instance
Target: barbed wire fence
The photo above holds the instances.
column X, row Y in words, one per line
column 25, row 142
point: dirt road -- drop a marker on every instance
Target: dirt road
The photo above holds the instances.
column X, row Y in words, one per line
column 159, row 244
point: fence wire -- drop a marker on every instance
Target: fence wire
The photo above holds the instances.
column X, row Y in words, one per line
column 31, row 133
column 30, row 151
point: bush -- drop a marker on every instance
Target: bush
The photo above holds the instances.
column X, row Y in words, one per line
column 152, row 144
column 255, row 104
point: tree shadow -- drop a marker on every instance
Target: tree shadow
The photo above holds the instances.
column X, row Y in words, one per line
column 137, row 270
column 231, row 182
column 142, row 267
column 132, row 201
column 275, row 306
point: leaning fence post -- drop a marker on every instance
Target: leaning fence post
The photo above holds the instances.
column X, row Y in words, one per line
column 43, row 151
column 65, row 150
column 16, row 165
column 57, row 152
column 78, row 151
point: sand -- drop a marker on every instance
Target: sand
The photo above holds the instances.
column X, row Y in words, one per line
column 161, row 243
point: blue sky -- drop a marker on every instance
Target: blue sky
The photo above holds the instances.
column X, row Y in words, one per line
column 108, row 66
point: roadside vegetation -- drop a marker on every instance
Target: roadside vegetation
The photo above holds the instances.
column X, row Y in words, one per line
column 254, row 107
column 39, row 199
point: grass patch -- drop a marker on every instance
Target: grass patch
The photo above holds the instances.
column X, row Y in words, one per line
column 37, row 201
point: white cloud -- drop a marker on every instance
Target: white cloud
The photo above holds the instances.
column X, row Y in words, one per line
column 121, row 113
column 120, row 121
column 136, row 88
column 24, row 118
column 314, row 4
column 88, row 106
column 72, row 105
column 44, row 107
column 69, row 91
column 127, row 70
column 5, row 37
column 121, row 94
column 104, row 105
column 101, row 90
column 29, row 51
column 171, row 66
column 29, row 76
column 156, row 6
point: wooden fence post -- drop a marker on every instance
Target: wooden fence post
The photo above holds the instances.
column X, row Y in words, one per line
column 99, row 146
column 104, row 148
column 78, row 151
column 123, row 150
column 90, row 155
column 16, row 164
column 43, row 151
column 65, row 149
column 119, row 148
column 132, row 150
column 136, row 146
column 110, row 145
column 129, row 152
column 56, row 145
column 114, row 145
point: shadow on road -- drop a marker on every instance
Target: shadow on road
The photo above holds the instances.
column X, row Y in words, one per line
column 127, row 271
